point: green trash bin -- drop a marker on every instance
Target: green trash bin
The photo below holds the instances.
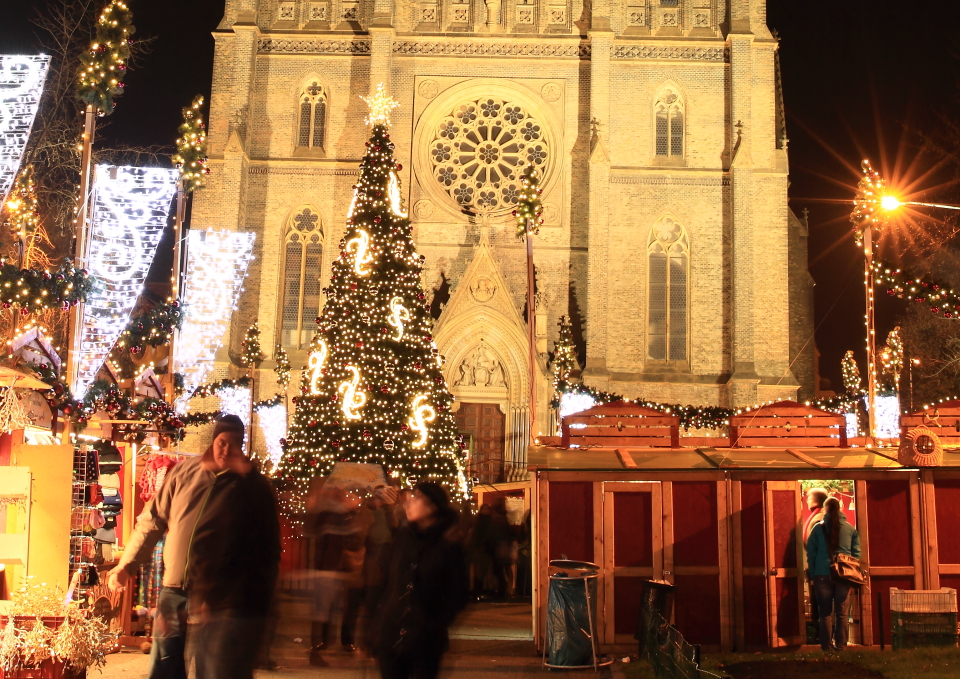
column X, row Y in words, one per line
column 571, row 620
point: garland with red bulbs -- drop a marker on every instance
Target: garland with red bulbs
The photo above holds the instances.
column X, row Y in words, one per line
column 35, row 290
column 939, row 297
column 153, row 328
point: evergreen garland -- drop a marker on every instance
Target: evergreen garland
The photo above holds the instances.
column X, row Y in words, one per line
column 191, row 156
column 529, row 210
column 23, row 216
column 34, row 290
column 866, row 202
column 153, row 328
column 103, row 67
column 939, row 297
column 214, row 388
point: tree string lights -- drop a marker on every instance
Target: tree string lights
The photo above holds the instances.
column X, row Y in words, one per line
column 529, row 210
column 217, row 265
column 191, row 156
column 251, row 355
column 21, row 84
column 272, row 416
column 33, row 290
column 130, row 208
column 153, row 328
column 23, row 216
column 104, row 65
column 891, row 358
column 852, row 382
column 866, row 203
column 939, row 297
column 564, row 360
column 283, row 367
column 373, row 390
column 216, row 388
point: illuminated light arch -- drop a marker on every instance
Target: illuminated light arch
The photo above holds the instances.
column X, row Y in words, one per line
column 21, row 85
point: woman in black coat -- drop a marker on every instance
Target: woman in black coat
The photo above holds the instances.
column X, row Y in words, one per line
column 424, row 589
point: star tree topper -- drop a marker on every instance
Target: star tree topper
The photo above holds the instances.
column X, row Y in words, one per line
column 380, row 106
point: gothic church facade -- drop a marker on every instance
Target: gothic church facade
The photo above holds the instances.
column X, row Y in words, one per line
column 657, row 125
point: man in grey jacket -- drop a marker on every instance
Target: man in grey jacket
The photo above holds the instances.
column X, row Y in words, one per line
column 175, row 512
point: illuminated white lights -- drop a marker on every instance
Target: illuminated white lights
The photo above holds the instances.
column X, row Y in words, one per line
column 130, row 209
column 217, row 264
column 571, row 403
column 852, row 425
column 315, row 363
column 273, row 424
column 422, row 413
column 380, row 106
column 21, row 84
column 353, row 205
column 886, row 416
column 363, row 255
column 353, row 397
column 398, row 316
column 393, row 192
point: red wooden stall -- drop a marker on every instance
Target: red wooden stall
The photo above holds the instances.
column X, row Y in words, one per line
column 724, row 524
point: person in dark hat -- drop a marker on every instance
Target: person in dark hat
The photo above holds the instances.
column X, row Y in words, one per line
column 425, row 587
column 175, row 511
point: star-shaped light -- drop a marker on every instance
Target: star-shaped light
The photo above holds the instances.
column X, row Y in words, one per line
column 380, row 106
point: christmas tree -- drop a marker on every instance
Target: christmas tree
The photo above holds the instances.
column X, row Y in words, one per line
column 251, row 355
column 282, row 368
column 852, row 382
column 564, row 360
column 373, row 391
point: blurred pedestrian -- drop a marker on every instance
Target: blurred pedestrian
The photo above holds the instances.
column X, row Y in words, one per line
column 174, row 512
column 232, row 567
column 831, row 536
column 424, row 589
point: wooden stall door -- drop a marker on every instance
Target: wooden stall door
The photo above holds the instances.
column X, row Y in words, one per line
column 632, row 553
column 487, row 424
column 786, row 623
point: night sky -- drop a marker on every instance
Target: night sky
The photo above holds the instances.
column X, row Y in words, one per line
column 859, row 76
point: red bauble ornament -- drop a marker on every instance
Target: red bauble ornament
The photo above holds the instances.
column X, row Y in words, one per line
column 403, row 427
column 399, row 167
column 359, row 345
column 335, row 443
column 353, row 286
column 385, row 390
column 312, row 423
column 334, row 398
column 418, row 365
column 367, row 435
column 313, row 462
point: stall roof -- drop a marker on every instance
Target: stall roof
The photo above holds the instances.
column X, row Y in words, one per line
column 705, row 458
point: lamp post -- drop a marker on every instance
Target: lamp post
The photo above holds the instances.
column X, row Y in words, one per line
column 913, row 362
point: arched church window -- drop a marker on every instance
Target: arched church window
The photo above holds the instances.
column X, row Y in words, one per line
column 300, row 293
column 479, row 151
column 669, row 117
column 311, row 129
column 668, row 258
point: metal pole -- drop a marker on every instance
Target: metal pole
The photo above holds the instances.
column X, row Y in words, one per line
column 179, row 249
column 531, row 334
column 871, row 332
column 75, row 326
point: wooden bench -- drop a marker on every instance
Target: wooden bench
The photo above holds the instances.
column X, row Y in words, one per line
column 620, row 424
column 788, row 424
column 943, row 419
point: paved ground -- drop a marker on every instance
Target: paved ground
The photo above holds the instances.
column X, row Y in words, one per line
column 490, row 641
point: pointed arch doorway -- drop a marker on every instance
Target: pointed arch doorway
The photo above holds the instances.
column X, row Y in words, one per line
column 485, row 424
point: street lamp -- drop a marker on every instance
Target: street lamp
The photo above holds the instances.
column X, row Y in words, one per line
column 870, row 206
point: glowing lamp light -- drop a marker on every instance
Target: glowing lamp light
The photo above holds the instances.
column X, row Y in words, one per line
column 353, row 397
column 571, row 403
column 422, row 413
column 890, row 203
column 130, row 209
column 216, row 267
column 21, row 84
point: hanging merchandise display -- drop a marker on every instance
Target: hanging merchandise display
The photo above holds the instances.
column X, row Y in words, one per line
column 216, row 267
column 130, row 209
column 21, row 84
column 373, row 391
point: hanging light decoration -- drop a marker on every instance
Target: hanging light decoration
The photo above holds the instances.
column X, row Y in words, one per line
column 21, row 84
column 130, row 208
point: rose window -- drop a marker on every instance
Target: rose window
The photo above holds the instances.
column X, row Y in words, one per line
column 479, row 151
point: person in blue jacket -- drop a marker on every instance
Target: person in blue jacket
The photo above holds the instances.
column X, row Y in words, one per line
column 828, row 537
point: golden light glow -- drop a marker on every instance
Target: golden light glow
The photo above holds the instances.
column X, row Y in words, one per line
column 380, row 106
column 363, row 257
column 398, row 315
column 422, row 413
column 393, row 191
column 315, row 365
column 353, row 397
column 890, row 203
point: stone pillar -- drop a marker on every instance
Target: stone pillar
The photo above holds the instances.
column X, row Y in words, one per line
column 381, row 51
column 744, row 382
column 601, row 45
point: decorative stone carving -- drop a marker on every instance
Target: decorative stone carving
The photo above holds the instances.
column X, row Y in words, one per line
column 670, row 18
column 558, row 15
column 551, row 214
column 483, row 290
column 701, row 18
column 524, row 14
column 286, row 11
column 637, row 17
column 550, row 92
column 670, row 52
column 461, row 14
column 507, row 49
column 428, row 89
column 428, row 14
column 271, row 45
column 424, row 209
column 351, row 11
column 480, row 149
column 318, row 11
column 481, row 369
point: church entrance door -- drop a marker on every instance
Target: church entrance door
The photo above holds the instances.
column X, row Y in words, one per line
column 486, row 424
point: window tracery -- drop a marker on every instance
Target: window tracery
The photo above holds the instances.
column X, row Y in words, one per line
column 669, row 114
column 311, row 127
column 300, row 284
column 668, row 263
